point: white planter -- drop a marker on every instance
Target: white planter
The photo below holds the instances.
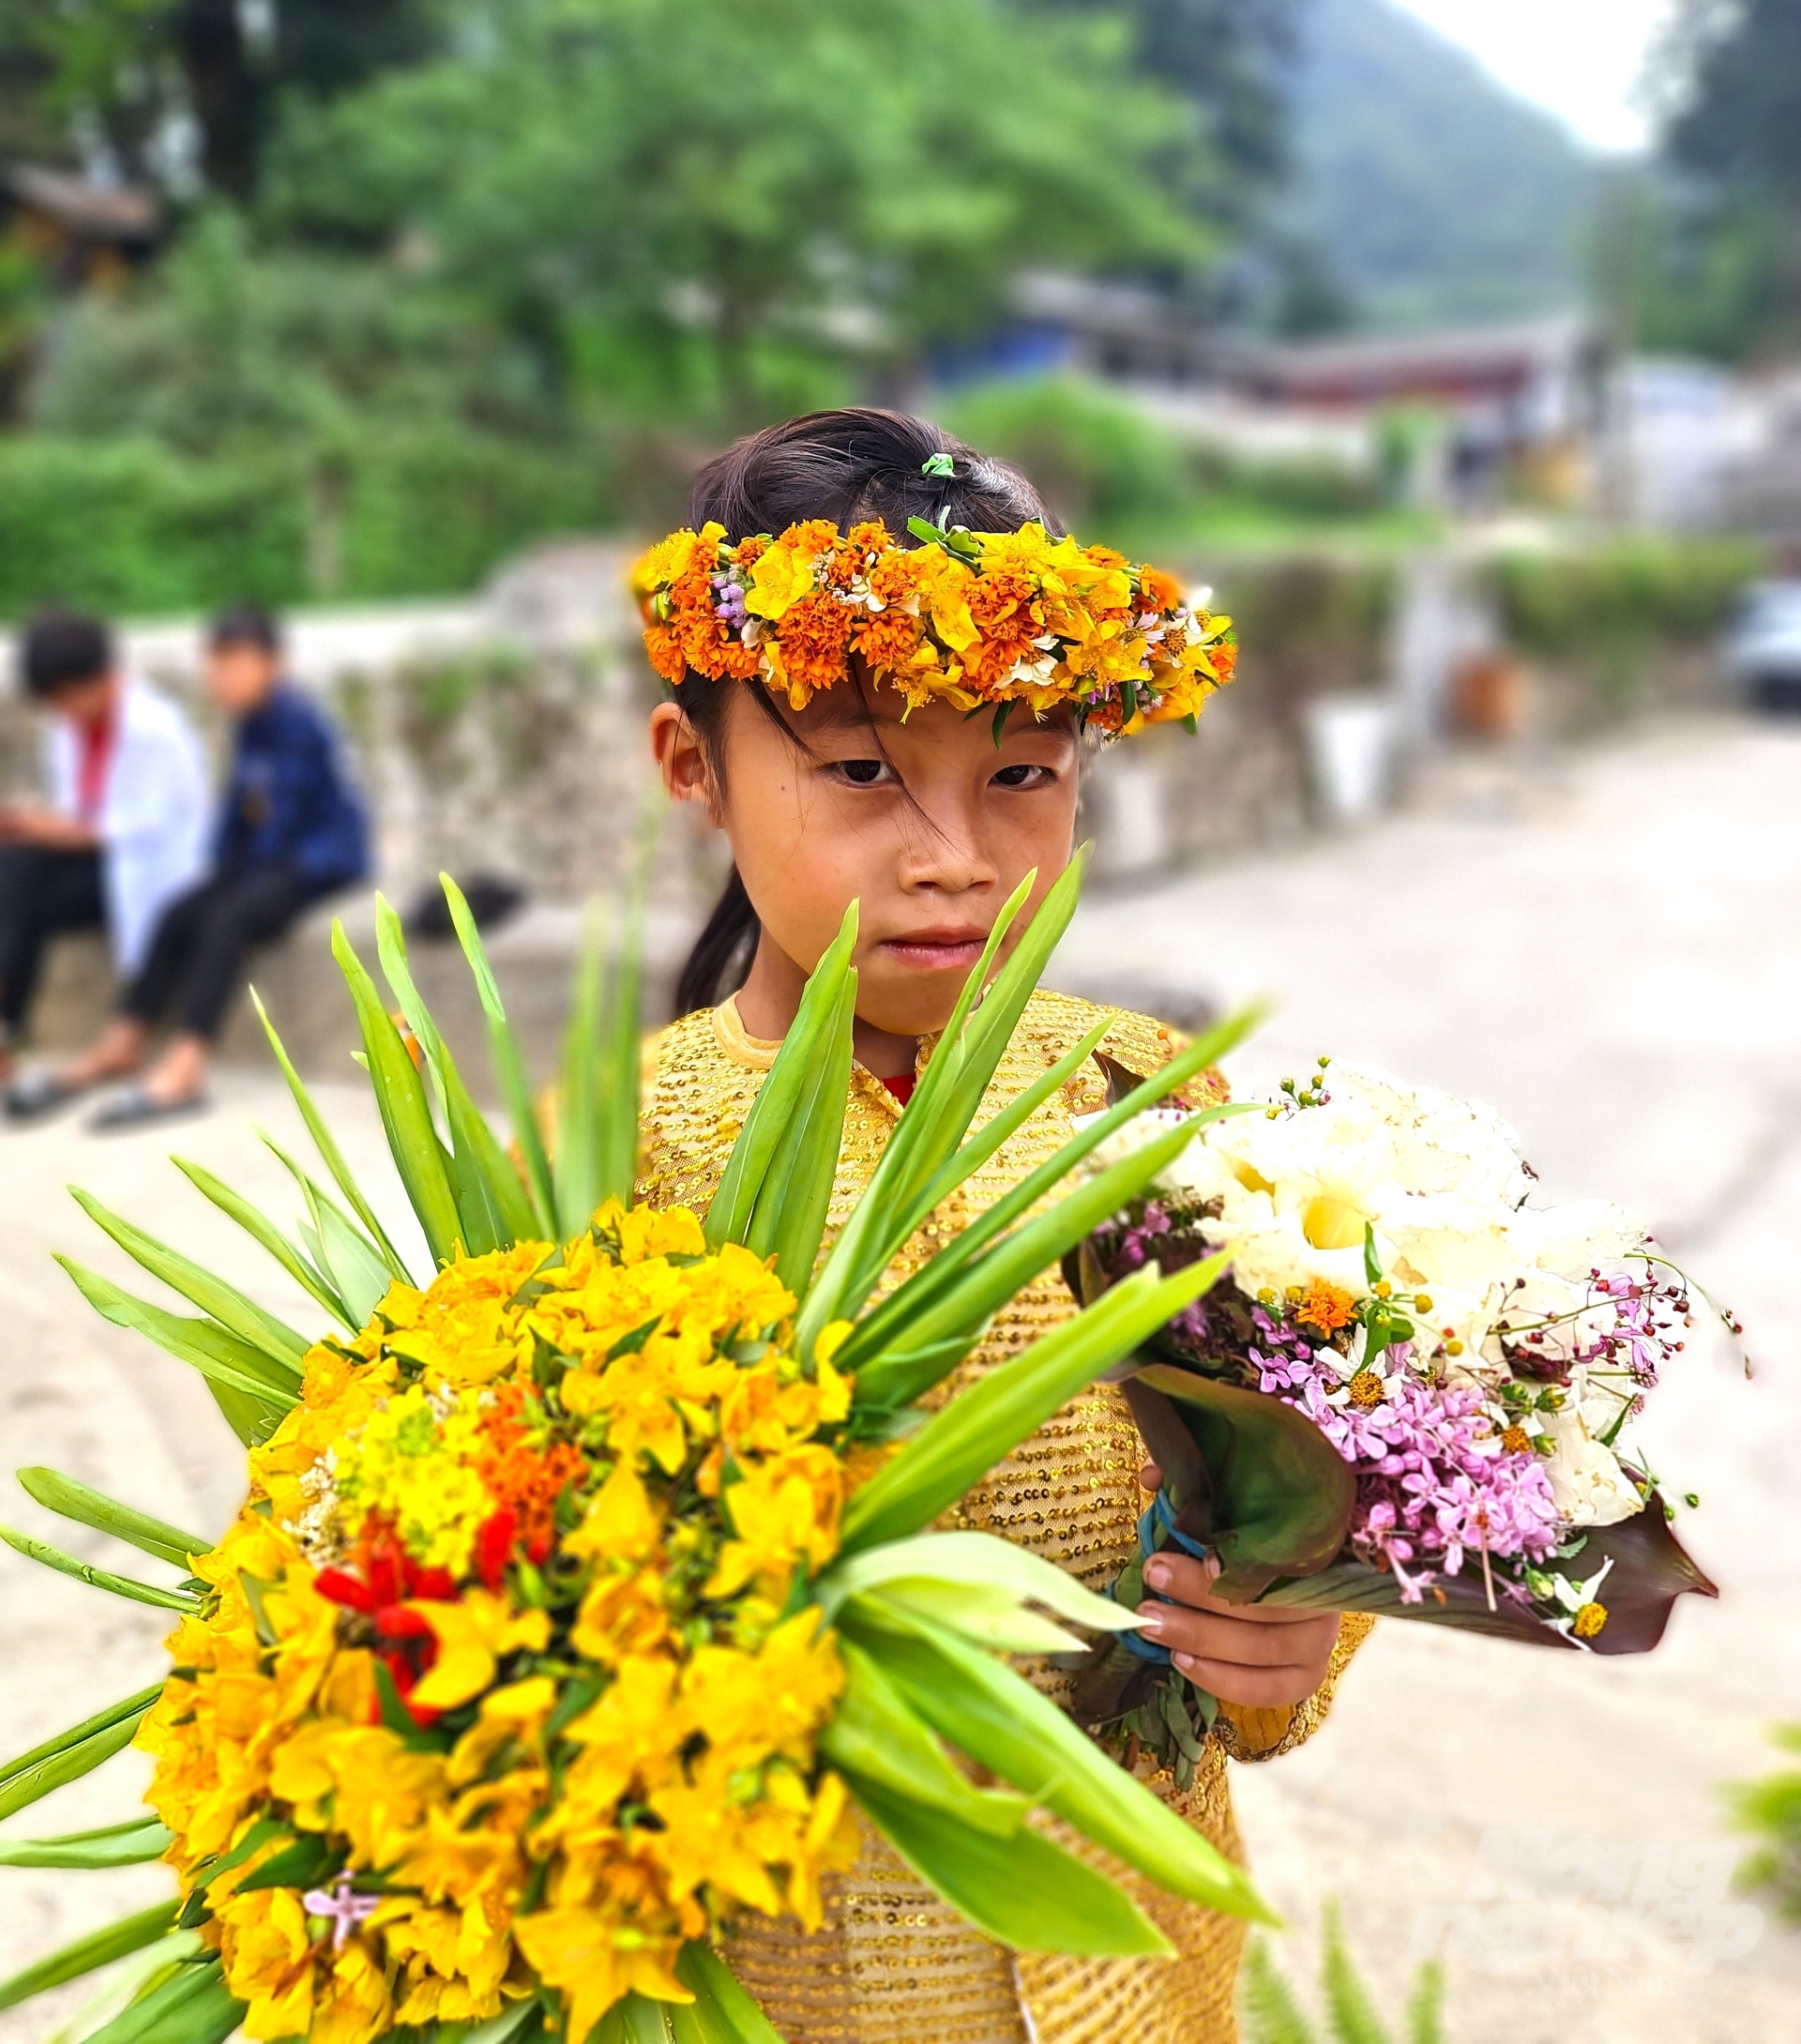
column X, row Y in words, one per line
column 1351, row 751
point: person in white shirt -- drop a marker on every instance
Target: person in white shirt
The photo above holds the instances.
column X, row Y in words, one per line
column 124, row 831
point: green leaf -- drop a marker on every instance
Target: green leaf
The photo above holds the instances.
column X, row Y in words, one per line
column 1425, row 2006
column 1280, row 1495
column 250, row 1391
column 1353, row 2015
column 324, row 1141
column 963, row 1440
column 102, row 1722
column 98, row 1948
column 715, row 1990
column 934, row 1572
column 952, row 1305
column 1025, row 1892
column 344, row 1253
column 118, row 1845
column 60, row 1493
column 750, row 1185
column 406, row 1114
column 224, row 1302
column 1004, row 1725
column 578, row 1161
column 790, row 1225
column 512, row 2018
column 875, row 1733
column 192, row 2006
column 99, row 1579
column 1271, row 2012
column 509, row 1063
column 304, row 1864
column 264, row 1232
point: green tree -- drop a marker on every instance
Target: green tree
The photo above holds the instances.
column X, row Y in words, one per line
column 130, row 72
column 1723, row 254
column 752, row 173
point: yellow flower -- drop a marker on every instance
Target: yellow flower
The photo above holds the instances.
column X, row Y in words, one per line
column 472, row 1635
column 785, row 573
column 621, row 1523
column 785, row 1510
column 596, row 1960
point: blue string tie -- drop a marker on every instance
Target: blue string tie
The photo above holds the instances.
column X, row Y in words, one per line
column 1159, row 1518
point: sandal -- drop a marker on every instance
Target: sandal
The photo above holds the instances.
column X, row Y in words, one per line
column 137, row 1107
column 36, row 1094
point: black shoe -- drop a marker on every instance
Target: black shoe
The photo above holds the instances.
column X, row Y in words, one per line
column 36, row 1094
column 135, row 1106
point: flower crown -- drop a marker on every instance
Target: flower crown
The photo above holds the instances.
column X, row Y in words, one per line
column 978, row 618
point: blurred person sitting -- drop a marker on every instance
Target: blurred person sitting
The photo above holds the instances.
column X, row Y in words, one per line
column 124, row 831
column 291, row 829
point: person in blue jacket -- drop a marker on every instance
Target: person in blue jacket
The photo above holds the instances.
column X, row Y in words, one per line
column 291, row 830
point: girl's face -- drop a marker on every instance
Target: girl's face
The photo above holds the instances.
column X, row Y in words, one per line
column 926, row 822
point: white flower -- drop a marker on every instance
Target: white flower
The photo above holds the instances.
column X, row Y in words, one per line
column 1578, row 1599
column 1587, row 1481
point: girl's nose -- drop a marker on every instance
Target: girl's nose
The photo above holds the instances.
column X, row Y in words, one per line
column 947, row 856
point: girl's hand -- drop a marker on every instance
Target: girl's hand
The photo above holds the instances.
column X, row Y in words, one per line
column 1241, row 1653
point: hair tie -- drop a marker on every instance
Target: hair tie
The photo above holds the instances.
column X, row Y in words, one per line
column 943, row 467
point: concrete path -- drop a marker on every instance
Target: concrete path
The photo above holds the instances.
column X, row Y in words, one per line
column 1612, row 954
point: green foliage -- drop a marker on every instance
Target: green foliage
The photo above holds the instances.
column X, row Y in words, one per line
column 750, row 172
column 1273, row 2013
column 1587, row 604
column 1770, row 1810
column 1107, row 467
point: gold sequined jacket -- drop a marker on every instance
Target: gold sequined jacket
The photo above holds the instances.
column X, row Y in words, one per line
column 893, row 1962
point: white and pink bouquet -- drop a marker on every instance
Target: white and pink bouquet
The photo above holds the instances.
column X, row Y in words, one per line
column 1410, row 1393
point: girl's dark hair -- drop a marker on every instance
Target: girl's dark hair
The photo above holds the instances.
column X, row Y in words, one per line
column 846, row 467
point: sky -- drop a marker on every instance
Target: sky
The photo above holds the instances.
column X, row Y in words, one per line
column 1581, row 59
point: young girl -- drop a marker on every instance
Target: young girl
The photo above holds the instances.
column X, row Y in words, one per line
column 930, row 818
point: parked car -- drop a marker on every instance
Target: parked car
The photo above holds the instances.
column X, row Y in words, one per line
column 1763, row 648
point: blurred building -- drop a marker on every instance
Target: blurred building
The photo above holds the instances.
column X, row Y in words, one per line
column 85, row 232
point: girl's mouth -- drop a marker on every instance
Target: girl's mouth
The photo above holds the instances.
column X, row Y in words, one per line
column 937, row 950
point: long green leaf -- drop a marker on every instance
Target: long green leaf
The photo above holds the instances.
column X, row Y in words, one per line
column 267, row 1236
column 712, row 1982
column 225, row 1303
column 790, row 1224
column 749, row 1181
column 876, row 1734
column 914, row 1355
column 326, row 1144
column 68, row 1764
column 227, row 1363
column 1023, row 1891
column 509, row 1063
column 1004, row 1725
column 132, row 1708
column 192, row 2006
column 963, row 1441
column 127, row 1588
column 492, row 1202
column 1347, row 1999
column 58, row 1494
column 580, row 1164
column 621, row 1061
column 345, row 1253
column 118, row 1845
column 406, row 1114
column 98, row 1948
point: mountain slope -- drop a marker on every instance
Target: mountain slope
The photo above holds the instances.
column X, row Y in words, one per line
column 1438, row 195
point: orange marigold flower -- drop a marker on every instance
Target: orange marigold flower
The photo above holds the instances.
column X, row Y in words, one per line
column 1160, row 591
column 814, row 637
column 1326, row 1308
column 886, row 639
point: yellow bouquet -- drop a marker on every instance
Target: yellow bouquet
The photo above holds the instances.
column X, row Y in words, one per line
column 584, row 1590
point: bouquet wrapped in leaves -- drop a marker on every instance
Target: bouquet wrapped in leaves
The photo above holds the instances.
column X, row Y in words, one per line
column 584, row 1590
column 1408, row 1394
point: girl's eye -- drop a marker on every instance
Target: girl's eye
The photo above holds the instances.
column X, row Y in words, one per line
column 1024, row 776
column 863, row 773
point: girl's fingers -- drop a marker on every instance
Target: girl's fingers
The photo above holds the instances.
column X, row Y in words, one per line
column 1189, row 1582
column 1262, row 1688
column 1216, row 1638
